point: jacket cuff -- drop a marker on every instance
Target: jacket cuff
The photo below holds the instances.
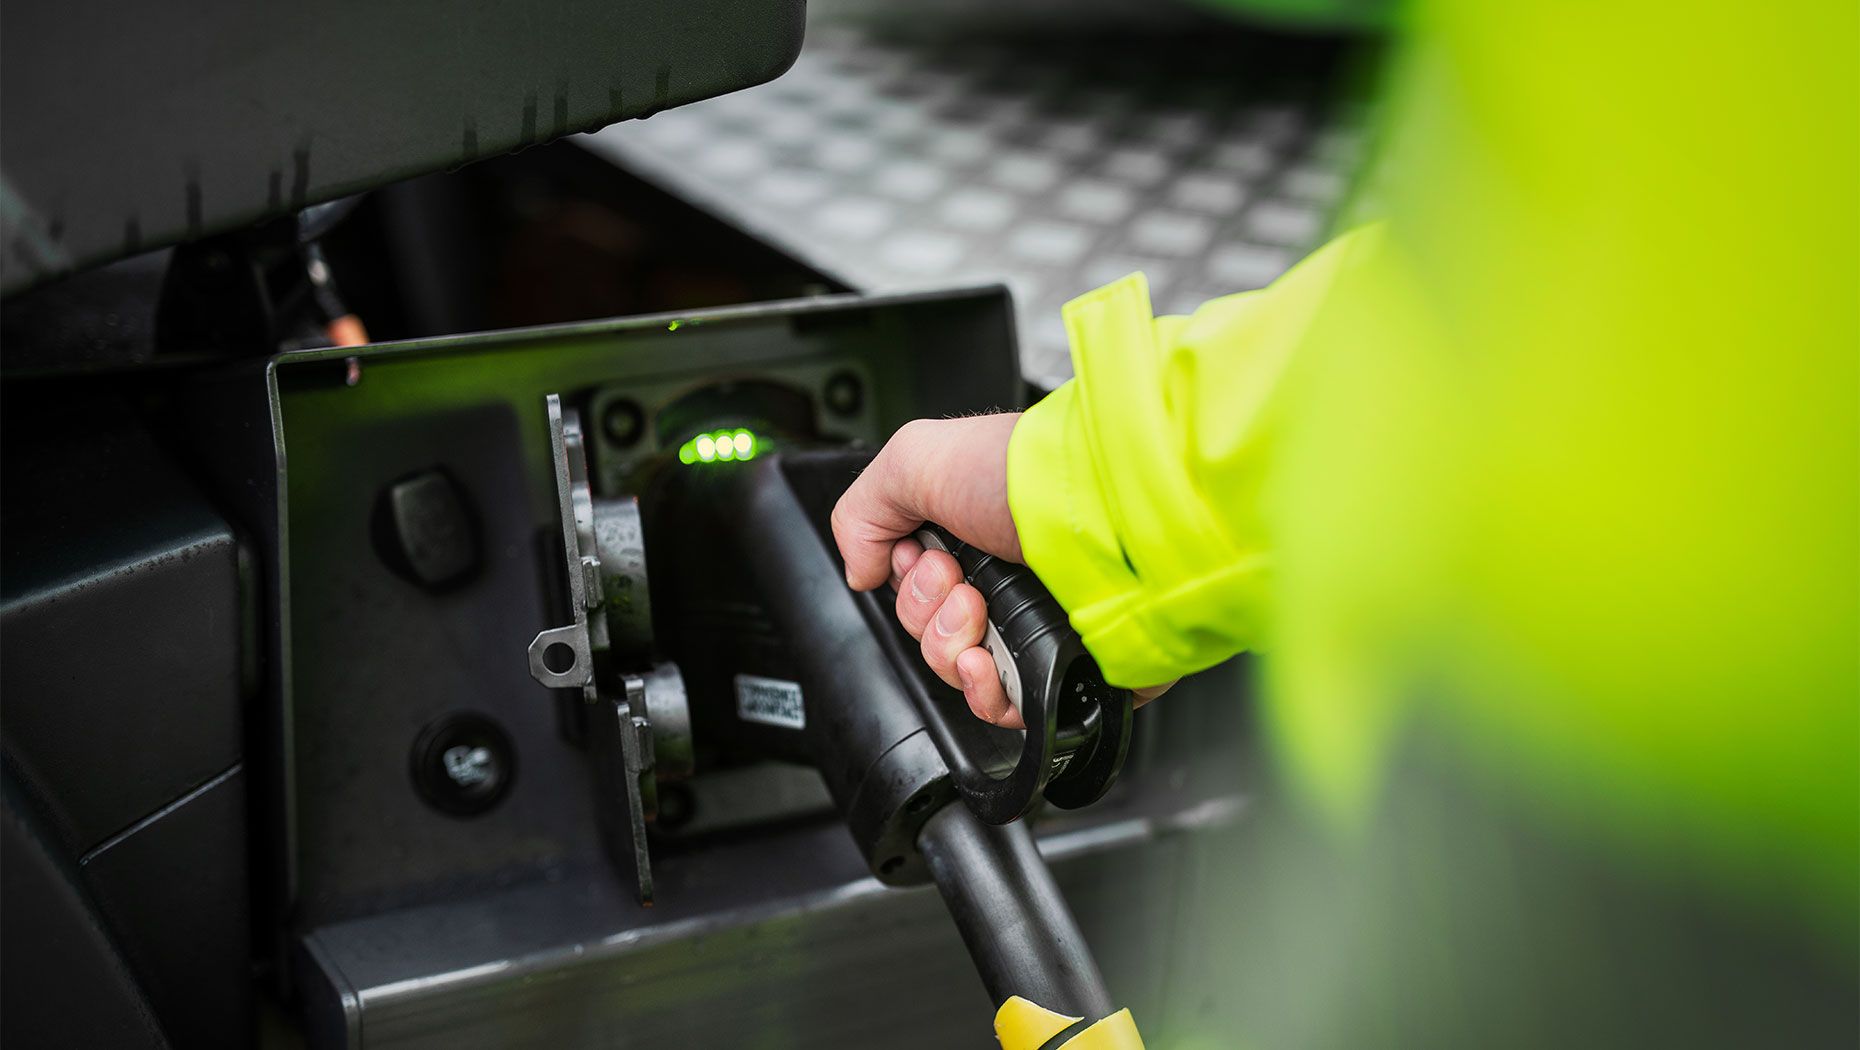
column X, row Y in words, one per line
column 1068, row 540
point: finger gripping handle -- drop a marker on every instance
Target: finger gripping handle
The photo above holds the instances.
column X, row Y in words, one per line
column 1078, row 726
column 1020, row 608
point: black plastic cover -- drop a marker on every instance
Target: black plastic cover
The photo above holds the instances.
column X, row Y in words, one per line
column 131, row 126
column 61, row 976
column 123, row 663
column 174, row 890
column 120, row 630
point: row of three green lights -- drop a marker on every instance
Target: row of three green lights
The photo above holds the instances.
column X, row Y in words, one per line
column 720, row 445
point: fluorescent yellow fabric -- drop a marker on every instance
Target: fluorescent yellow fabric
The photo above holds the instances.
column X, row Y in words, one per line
column 1136, row 487
column 1021, row 1024
column 1562, row 468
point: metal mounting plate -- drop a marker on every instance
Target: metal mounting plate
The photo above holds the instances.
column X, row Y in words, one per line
column 620, row 732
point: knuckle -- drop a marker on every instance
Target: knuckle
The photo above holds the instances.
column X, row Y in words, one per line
column 933, row 652
column 907, row 617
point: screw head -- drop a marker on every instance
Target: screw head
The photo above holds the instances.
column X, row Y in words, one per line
column 463, row 764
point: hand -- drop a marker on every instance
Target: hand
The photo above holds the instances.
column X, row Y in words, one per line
column 952, row 472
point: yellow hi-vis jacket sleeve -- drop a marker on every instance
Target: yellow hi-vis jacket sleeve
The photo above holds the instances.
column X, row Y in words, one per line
column 1136, row 486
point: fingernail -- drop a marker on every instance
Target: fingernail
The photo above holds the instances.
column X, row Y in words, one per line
column 948, row 619
column 917, row 592
column 962, row 673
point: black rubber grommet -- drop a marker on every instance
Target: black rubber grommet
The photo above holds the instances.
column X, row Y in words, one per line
column 463, row 764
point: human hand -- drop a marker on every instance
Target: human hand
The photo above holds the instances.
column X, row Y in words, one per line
column 952, row 472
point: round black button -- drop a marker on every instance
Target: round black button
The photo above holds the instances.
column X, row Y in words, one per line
column 463, row 764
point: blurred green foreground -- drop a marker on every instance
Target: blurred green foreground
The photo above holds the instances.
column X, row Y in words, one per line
column 1563, row 693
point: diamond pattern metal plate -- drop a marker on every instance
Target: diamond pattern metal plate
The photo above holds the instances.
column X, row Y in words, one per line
column 1212, row 162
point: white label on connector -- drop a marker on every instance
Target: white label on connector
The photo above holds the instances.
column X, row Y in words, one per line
column 770, row 701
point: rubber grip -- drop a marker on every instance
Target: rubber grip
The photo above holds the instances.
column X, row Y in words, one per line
column 1021, row 611
column 1078, row 726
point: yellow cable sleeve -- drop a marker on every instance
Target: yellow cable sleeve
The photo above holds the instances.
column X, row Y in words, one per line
column 1116, row 1032
column 1020, row 1024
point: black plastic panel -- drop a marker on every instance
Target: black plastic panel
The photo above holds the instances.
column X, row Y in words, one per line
column 174, row 887
column 62, row 978
column 120, row 626
column 128, row 127
column 122, row 656
column 372, row 658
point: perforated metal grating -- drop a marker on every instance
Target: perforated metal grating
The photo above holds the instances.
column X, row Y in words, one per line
column 1213, row 162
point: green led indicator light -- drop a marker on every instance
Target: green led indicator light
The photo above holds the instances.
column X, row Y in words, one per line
column 722, row 446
